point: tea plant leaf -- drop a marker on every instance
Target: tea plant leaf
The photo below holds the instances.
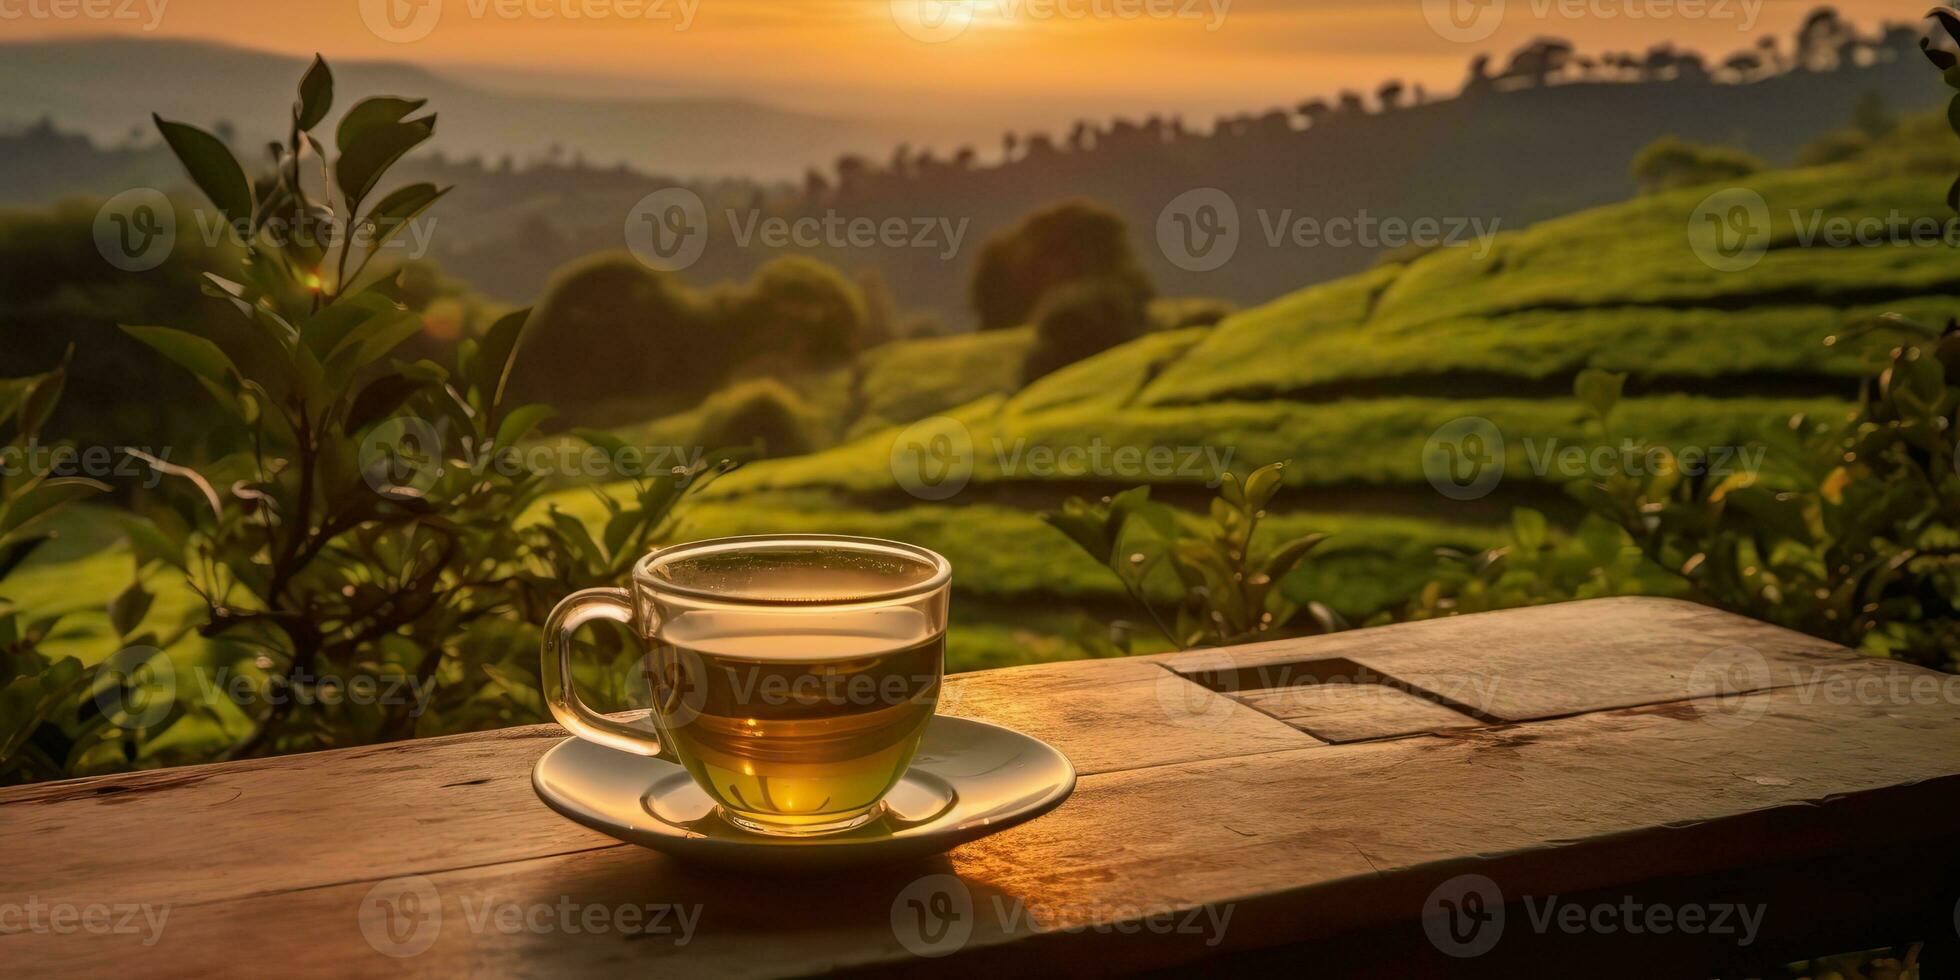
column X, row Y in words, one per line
column 378, row 111
column 212, row 167
column 204, row 358
column 126, row 610
column 520, row 422
column 45, row 498
column 495, row 355
column 400, row 207
column 149, row 541
column 43, row 394
column 374, row 150
column 1262, row 485
column 315, row 95
column 1292, row 553
column 1530, row 530
column 380, row 399
column 1599, row 391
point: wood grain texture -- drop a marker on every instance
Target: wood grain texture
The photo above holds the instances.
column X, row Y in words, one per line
column 313, row 819
column 1196, row 830
column 1354, row 712
column 1542, row 662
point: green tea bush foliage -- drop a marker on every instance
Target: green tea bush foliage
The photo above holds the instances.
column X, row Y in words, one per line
column 802, row 312
column 764, row 414
column 610, row 328
column 1853, row 535
column 63, row 303
column 370, row 524
column 615, row 339
column 1670, row 163
column 1070, row 242
column 58, row 716
column 1083, row 318
column 1536, row 565
column 1228, row 590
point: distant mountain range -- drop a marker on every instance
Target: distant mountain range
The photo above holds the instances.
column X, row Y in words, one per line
column 1510, row 150
column 108, row 87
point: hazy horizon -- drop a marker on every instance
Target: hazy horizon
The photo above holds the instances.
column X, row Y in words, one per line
column 1016, row 63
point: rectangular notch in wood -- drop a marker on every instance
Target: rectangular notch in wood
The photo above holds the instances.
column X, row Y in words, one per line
column 1338, row 700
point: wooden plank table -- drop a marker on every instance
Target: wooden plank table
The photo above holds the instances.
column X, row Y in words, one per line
column 1504, row 794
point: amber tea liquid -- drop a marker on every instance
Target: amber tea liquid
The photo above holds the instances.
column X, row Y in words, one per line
column 796, row 721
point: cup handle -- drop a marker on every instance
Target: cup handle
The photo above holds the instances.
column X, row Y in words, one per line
column 561, row 692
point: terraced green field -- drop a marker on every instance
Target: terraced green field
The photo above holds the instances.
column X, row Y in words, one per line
column 1348, row 380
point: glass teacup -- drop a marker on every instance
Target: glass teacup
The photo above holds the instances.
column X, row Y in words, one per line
column 792, row 675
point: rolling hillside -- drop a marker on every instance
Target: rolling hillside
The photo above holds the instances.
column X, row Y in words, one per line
column 1350, row 378
column 1347, row 379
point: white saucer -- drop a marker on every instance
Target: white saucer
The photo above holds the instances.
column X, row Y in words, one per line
column 969, row 779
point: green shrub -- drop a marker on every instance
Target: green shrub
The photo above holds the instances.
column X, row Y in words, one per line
column 1186, row 312
column 1072, row 241
column 48, row 724
column 374, row 526
column 1854, row 536
column 610, row 328
column 798, row 313
column 1672, row 162
column 1536, row 566
column 1834, row 147
column 1228, row 589
column 1083, row 318
column 764, row 414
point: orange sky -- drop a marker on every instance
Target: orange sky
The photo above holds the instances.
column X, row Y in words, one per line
column 1012, row 56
